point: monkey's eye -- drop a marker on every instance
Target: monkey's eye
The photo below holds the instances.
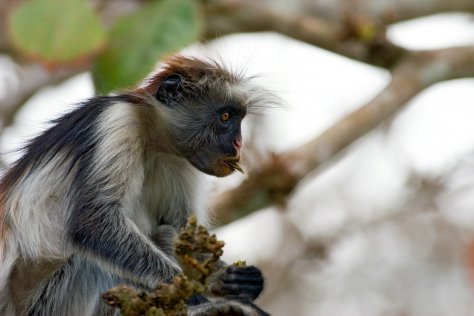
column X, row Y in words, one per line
column 224, row 117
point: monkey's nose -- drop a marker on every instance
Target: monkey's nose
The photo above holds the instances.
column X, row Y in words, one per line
column 238, row 143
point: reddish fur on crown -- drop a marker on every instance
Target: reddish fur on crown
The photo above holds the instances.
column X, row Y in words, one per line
column 192, row 69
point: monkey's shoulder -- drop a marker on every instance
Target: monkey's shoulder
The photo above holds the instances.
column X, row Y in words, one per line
column 73, row 135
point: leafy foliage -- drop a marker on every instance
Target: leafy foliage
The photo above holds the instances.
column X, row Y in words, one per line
column 56, row 31
column 137, row 41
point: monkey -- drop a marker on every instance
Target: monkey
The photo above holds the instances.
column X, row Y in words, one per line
column 94, row 199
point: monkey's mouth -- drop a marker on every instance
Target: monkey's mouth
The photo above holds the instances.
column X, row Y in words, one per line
column 233, row 164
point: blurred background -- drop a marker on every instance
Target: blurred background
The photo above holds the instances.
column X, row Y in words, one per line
column 358, row 197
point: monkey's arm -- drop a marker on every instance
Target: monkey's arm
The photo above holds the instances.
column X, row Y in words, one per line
column 104, row 233
column 99, row 225
column 222, row 306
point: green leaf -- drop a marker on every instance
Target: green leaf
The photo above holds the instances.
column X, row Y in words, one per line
column 56, row 31
column 139, row 40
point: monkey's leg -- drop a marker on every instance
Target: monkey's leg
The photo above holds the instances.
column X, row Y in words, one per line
column 236, row 288
column 72, row 290
column 223, row 306
column 8, row 256
column 75, row 288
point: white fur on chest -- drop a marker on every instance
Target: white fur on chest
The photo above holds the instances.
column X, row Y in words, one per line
column 171, row 190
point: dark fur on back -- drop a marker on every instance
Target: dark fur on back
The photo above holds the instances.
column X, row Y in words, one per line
column 72, row 132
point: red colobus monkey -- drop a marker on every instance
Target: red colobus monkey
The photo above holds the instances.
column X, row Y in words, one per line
column 94, row 199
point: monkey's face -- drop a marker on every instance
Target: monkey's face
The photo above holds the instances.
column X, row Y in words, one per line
column 204, row 123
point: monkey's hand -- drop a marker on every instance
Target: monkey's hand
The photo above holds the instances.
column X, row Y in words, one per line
column 238, row 282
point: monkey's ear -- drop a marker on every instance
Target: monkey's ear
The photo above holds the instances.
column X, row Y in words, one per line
column 169, row 89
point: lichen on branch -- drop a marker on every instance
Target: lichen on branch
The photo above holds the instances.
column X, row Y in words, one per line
column 198, row 253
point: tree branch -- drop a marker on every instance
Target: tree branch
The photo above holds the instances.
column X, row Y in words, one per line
column 281, row 173
column 388, row 11
column 359, row 39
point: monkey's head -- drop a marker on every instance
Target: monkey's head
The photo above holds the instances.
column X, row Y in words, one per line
column 204, row 105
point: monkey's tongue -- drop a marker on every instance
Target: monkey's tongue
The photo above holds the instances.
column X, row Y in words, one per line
column 234, row 165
